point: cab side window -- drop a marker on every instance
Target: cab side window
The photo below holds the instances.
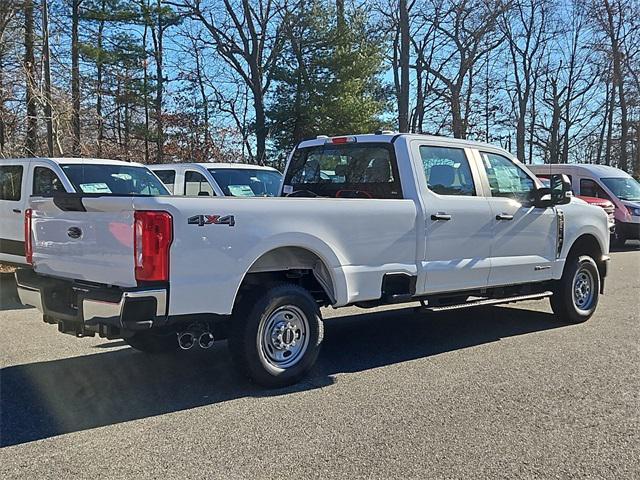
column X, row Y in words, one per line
column 46, row 182
column 447, row 171
column 506, row 179
column 590, row 188
column 195, row 184
column 168, row 177
column 10, row 182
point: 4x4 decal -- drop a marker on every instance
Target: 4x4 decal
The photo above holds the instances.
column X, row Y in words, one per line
column 202, row 220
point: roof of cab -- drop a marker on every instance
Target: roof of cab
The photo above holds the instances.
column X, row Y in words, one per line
column 228, row 165
column 388, row 137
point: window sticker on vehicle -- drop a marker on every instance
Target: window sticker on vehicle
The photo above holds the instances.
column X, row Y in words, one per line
column 241, row 191
column 287, row 189
column 95, row 188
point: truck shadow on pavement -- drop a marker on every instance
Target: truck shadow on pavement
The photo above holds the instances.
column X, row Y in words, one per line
column 45, row 399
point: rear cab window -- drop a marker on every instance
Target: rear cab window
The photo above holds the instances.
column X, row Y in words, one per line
column 195, row 184
column 11, row 182
column 168, row 177
column 111, row 179
column 46, row 182
column 359, row 170
column 447, row 170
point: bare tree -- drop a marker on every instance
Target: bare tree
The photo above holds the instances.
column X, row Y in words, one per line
column 527, row 28
column 31, row 141
column 75, row 75
column 404, row 54
column 247, row 35
column 466, row 31
column 46, row 65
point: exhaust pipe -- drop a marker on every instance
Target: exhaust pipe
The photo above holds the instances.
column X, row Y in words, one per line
column 206, row 340
column 186, row 340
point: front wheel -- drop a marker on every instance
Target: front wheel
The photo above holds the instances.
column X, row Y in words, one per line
column 276, row 340
column 576, row 296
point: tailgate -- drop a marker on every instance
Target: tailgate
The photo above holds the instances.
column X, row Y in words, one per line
column 95, row 245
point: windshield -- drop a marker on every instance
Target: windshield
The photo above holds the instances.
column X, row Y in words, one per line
column 625, row 188
column 113, row 179
column 246, row 182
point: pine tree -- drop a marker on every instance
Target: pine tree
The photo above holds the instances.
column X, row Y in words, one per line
column 328, row 79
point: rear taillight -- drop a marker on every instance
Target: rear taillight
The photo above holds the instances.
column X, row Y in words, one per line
column 152, row 236
column 28, row 238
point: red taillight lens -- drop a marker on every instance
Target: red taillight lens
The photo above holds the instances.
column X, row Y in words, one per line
column 152, row 236
column 28, row 238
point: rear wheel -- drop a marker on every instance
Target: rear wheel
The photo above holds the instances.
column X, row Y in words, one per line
column 276, row 339
column 153, row 342
column 576, row 296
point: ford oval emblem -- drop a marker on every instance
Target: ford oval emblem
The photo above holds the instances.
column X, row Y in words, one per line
column 74, row 232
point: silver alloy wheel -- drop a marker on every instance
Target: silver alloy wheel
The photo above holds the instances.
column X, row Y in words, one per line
column 283, row 337
column 583, row 289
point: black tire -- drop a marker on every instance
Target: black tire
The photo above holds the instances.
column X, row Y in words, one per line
column 578, row 307
column 254, row 351
column 153, row 342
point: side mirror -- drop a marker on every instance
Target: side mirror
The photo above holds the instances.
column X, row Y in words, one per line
column 542, row 197
column 560, row 186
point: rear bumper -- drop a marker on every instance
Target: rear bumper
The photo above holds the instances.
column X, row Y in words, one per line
column 81, row 308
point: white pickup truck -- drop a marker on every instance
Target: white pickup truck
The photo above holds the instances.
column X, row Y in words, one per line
column 368, row 220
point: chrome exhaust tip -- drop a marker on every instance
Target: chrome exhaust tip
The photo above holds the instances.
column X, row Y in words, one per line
column 206, row 340
column 186, row 340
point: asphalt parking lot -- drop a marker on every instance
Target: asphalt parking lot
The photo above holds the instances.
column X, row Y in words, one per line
column 500, row 392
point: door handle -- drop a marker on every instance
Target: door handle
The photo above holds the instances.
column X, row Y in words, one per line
column 504, row 216
column 441, row 216
column 17, row 210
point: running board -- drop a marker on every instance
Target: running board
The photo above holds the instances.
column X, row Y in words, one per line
column 490, row 301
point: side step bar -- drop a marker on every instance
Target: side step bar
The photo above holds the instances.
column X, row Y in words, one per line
column 490, row 301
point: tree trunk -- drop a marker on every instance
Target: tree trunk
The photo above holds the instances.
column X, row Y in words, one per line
column 457, row 123
column 261, row 126
column 403, row 94
column 159, row 86
column 145, row 88
column 75, row 77
column 618, row 82
column 340, row 14
column 48, row 114
column 30, row 72
column 99, row 74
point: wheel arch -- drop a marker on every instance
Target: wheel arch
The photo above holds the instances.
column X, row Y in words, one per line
column 588, row 244
column 284, row 259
